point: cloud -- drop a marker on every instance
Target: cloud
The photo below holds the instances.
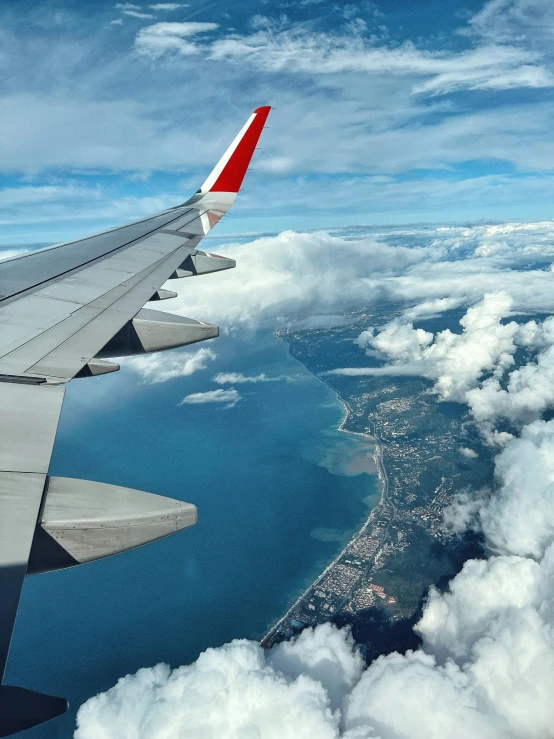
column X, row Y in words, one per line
column 474, row 367
column 390, row 370
column 509, row 21
column 234, row 378
column 486, row 669
column 159, row 39
column 236, row 690
column 168, row 6
column 290, row 277
column 285, row 279
column 469, row 453
column 7, row 253
column 462, row 513
column 519, row 517
column 297, row 49
column 161, row 367
column 431, row 308
column 231, row 397
column 31, row 195
column 485, row 150
column 152, row 126
column 73, row 206
column 136, row 14
column 455, row 361
column 528, row 392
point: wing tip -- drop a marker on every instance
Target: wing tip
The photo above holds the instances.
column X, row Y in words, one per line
column 230, row 170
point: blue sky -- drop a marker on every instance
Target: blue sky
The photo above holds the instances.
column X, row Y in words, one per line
column 385, row 112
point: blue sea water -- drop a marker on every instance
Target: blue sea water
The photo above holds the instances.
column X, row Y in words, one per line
column 279, row 490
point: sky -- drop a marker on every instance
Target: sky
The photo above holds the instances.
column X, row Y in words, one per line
column 393, row 112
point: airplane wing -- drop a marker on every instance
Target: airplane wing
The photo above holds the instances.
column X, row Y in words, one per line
column 63, row 311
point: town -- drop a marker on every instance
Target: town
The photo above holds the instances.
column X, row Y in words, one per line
column 404, row 546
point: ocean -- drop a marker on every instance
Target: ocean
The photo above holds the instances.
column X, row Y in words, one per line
column 279, row 491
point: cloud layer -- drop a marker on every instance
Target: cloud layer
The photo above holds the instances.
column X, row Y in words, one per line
column 274, row 47
column 486, row 669
column 154, row 368
column 289, row 277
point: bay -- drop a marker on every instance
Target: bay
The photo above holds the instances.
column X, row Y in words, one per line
column 279, row 491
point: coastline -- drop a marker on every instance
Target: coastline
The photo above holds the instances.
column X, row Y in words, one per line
column 382, row 502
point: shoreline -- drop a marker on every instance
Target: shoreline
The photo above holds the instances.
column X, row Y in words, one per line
column 383, row 501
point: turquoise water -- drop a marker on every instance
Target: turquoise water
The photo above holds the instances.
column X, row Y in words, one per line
column 278, row 488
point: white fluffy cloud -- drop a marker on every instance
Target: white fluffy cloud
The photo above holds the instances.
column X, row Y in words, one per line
column 474, row 366
column 528, row 393
column 237, row 690
column 284, row 279
column 238, row 378
column 229, row 397
column 519, row 517
column 455, row 361
column 486, row 669
column 154, row 368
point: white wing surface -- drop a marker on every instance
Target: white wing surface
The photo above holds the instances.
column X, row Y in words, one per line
column 63, row 310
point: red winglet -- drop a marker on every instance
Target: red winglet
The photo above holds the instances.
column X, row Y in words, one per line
column 231, row 176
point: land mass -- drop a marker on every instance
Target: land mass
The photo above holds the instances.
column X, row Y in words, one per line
column 425, row 452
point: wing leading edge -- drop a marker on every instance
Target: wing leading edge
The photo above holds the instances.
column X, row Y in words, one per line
column 62, row 311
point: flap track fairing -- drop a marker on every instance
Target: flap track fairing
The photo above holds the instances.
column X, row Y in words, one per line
column 154, row 331
column 82, row 521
